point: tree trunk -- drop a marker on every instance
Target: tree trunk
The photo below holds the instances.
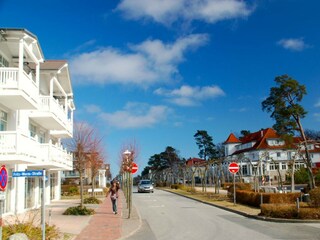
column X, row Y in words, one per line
column 81, row 189
column 308, row 160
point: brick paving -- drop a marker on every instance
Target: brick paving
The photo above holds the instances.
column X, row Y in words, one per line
column 104, row 224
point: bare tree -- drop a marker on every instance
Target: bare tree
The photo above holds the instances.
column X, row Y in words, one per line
column 95, row 161
column 81, row 144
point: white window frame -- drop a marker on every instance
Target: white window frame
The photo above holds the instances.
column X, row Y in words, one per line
column 3, row 120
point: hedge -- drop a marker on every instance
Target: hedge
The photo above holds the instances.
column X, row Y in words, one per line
column 289, row 211
column 315, row 197
column 254, row 198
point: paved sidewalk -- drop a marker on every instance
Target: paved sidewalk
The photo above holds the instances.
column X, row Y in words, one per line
column 102, row 225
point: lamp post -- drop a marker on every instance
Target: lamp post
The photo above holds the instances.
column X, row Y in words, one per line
column 128, row 166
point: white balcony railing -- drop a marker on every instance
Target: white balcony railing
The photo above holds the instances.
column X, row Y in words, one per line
column 56, row 155
column 15, row 143
column 49, row 104
column 9, row 79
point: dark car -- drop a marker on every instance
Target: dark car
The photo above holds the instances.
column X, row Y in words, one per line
column 145, row 186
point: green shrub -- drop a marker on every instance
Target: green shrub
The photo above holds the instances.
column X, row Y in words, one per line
column 78, row 210
column 91, row 200
column 315, row 197
column 73, row 190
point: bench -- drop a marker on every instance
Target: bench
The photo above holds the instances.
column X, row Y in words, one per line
column 96, row 190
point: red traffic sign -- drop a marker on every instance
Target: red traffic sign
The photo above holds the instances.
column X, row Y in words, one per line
column 134, row 168
column 3, row 178
column 233, row 167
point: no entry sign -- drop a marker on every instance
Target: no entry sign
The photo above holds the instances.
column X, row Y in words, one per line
column 3, row 178
column 134, row 168
column 233, row 167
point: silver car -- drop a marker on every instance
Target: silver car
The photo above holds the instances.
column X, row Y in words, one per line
column 145, row 186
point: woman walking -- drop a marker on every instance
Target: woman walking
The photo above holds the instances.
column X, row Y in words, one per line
column 113, row 191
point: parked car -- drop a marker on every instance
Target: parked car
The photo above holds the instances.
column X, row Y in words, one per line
column 145, row 186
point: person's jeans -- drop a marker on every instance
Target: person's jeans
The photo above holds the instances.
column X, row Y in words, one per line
column 114, row 205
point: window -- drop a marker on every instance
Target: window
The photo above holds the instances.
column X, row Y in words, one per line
column 33, row 130
column 3, row 121
column 283, row 166
column 278, row 154
column 274, row 166
column 3, row 62
column 42, row 137
column 244, row 169
column 271, row 167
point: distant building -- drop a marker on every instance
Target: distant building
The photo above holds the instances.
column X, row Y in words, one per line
column 36, row 112
column 263, row 152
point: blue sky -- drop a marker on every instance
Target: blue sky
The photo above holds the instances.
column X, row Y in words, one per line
column 154, row 72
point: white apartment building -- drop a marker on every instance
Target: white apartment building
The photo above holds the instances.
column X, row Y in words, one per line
column 36, row 112
column 264, row 152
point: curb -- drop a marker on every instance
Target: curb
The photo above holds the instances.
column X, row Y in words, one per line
column 261, row 218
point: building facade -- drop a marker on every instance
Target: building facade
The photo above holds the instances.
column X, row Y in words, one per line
column 36, row 112
column 266, row 155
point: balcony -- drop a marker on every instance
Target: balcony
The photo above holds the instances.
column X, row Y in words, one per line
column 15, row 92
column 18, row 148
column 51, row 115
column 55, row 157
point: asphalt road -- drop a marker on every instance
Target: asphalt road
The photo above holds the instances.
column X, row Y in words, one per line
column 166, row 216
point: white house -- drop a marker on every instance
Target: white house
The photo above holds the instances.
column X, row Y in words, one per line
column 264, row 152
column 36, row 112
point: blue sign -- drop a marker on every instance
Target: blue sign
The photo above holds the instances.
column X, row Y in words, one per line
column 32, row 173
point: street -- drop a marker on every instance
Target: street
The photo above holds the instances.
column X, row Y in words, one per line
column 168, row 216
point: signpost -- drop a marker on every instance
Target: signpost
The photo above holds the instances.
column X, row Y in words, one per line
column 3, row 185
column 234, row 168
column 36, row 173
column 134, row 168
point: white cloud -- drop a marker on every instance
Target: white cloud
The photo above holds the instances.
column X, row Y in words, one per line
column 190, row 96
column 317, row 116
column 92, row 108
column 293, row 44
column 317, row 104
column 239, row 109
column 169, row 11
column 143, row 64
column 136, row 115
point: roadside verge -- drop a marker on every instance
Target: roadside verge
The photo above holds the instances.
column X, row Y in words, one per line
column 240, row 209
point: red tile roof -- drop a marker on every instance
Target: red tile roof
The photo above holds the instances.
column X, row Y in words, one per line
column 232, row 139
column 193, row 161
column 260, row 139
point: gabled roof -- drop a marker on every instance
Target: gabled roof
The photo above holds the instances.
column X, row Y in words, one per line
column 232, row 139
column 193, row 161
column 260, row 138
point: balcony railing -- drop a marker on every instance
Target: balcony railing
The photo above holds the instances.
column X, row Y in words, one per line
column 9, row 79
column 49, row 104
column 56, row 155
column 15, row 143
